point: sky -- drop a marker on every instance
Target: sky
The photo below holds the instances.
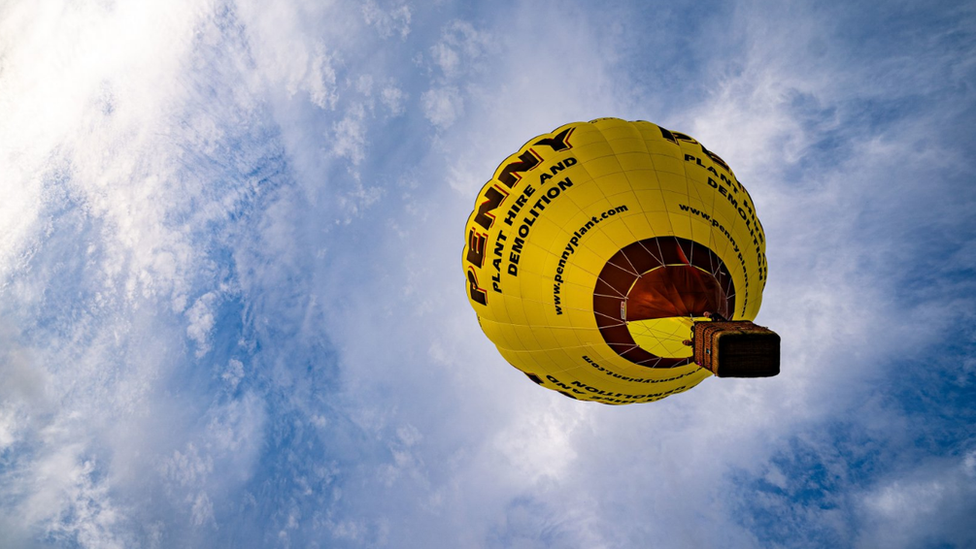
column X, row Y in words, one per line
column 233, row 313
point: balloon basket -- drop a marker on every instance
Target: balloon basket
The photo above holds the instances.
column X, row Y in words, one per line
column 737, row 349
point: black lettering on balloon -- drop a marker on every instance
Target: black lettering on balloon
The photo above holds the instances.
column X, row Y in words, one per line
column 476, row 248
column 558, row 143
column 534, row 378
column 526, row 162
column 493, row 198
column 715, row 158
column 477, row 294
column 667, row 135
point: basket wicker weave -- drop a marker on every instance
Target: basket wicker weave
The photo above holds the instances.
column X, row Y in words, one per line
column 737, row 349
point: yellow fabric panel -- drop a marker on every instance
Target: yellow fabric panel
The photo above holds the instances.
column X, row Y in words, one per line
column 663, row 336
column 544, row 228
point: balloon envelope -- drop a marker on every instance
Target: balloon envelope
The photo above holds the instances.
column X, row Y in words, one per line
column 594, row 248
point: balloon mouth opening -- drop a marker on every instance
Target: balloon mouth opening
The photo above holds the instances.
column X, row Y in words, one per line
column 650, row 293
column 663, row 304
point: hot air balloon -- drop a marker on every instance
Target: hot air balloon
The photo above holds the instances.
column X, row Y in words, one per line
column 598, row 254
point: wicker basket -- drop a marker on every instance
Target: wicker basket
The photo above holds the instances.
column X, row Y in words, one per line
column 737, row 349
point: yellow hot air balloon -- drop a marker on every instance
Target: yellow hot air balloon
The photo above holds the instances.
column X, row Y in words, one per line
column 595, row 248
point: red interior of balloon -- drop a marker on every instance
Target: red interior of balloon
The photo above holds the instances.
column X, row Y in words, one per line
column 675, row 290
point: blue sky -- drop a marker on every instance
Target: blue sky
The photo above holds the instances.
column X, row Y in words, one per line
column 232, row 312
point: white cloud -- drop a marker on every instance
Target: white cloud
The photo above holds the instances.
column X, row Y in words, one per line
column 396, row 20
column 24, row 387
column 459, row 53
column 288, row 53
column 446, row 58
column 393, row 99
column 235, row 430
column 460, row 50
column 933, row 503
column 442, row 106
column 65, row 127
column 203, row 512
column 125, row 168
column 188, row 469
column 233, row 374
column 71, row 502
column 201, row 321
column 349, row 136
column 542, row 448
column 217, row 460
